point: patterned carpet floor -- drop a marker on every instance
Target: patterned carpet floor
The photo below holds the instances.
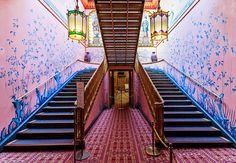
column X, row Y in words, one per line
column 121, row 136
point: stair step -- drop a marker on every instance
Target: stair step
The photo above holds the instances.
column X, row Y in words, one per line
column 180, row 108
column 170, row 92
column 160, row 80
column 51, row 124
column 79, row 80
column 55, row 115
column 48, row 133
column 174, row 97
column 84, row 76
column 184, row 125
column 192, row 131
column 158, row 77
column 199, row 142
column 70, row 85
column 74, row 93
column 59, row 108
column 177, row 102
column 61, row 103
column 165, row 85
column 167, row 89
column 68, row 89
column 65, row 98
column 53, row 127
column 186, row 122
column 39, row 144
column 73, row 82
column 183, row 114
column 154, row 72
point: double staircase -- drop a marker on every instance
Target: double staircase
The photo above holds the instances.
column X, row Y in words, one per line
column 53, row 126
column 185, row 125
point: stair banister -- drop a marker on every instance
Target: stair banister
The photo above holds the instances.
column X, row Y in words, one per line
column 155, row 101
column 92, row 87
column 78, row 60
column 191, row 78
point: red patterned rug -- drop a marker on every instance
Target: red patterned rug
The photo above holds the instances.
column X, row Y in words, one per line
column 121, row 136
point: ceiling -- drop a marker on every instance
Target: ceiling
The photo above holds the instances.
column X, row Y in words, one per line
column 120, row 22
column 149, row 4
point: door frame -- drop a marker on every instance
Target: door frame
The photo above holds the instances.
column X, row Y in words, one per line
column 111, row 86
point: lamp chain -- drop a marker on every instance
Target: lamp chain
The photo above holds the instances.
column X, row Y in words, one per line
column 159, row 5
column 77, row 5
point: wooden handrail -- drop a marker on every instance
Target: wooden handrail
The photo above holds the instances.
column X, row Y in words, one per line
column 149, row 63
column 78, row 60
column 91, row 63
column 92, row 87
column 21, row 97
column 155, row 101
column 192, row 79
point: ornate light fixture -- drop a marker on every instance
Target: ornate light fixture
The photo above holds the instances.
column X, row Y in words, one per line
column 159, row 25
column 77, row 23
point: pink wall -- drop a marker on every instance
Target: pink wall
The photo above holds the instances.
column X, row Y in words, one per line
column 140, row 98
column 96, row 53
column 203, row 46
column 33, row 48
column 145, row 53
column 100, row 102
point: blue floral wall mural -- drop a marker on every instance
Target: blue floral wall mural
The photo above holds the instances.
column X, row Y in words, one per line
column 203, row 47
column 35, row 58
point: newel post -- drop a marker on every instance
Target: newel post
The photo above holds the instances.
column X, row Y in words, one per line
column 79, row 116
column 79, row 125
column 159, row 122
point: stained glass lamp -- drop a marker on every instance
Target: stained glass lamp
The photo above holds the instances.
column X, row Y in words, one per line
column 159, row 25
column 77, row 22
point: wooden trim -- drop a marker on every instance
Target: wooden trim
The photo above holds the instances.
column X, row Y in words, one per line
column 111, row 88
column 184, row 14
column 53, row 13
column 155, row 101
column 92, row 87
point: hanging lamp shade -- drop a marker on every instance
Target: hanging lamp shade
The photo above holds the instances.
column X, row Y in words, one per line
column 159, row 25
column 77, row 22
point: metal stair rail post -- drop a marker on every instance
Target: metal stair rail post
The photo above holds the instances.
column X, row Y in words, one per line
column 155, row 101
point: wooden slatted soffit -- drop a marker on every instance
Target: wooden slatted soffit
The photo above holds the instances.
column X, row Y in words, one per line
column 120, row 22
